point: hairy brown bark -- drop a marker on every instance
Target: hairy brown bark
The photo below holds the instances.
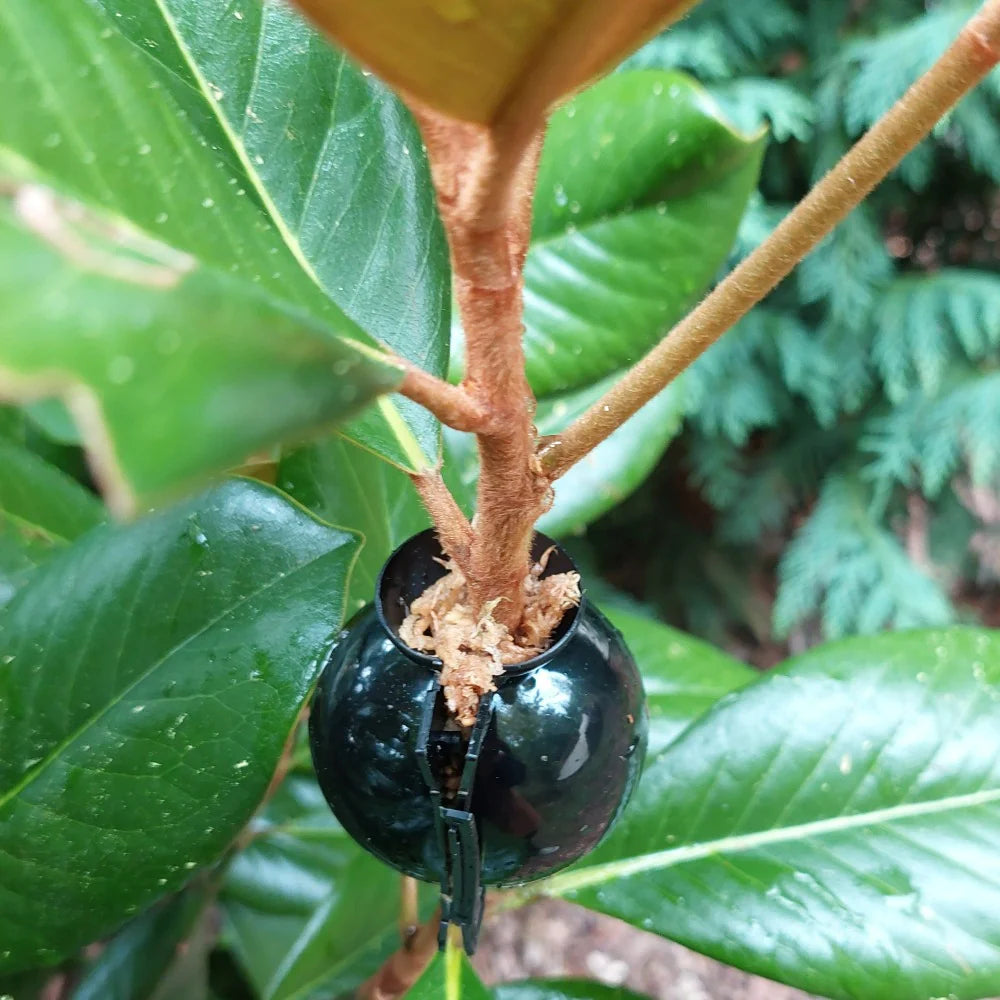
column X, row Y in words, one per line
column 484, row 195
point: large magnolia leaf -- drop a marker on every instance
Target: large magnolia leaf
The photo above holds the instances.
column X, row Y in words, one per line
column 233, row 133
column 449, row 977
column 41, row 509
column 149, row 678
column 173, row 371
column 345, row 485
column 310, row 913
column 683, row 676
column 641, row 188
column 833, row 826
column 492, row 61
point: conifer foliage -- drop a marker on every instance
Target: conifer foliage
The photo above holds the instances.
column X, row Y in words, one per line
column 858, row 409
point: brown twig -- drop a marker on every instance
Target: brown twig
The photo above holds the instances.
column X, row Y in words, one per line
column 451, row 404
column 404, row 966
column 452, row 527
column 966, row 61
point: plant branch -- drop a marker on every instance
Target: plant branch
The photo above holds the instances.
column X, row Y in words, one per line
column 484, row 195
column 409, row 919
column 966, row 61
column 403, row 967
column 451, row 404
column 453, row 528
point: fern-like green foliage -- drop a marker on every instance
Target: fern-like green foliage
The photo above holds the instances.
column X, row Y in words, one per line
column 848, row 565
column 857, row 411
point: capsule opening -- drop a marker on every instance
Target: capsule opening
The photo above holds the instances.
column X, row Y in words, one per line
column 415, row 565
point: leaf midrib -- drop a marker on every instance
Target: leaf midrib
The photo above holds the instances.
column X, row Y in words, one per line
column 92, row 720
column 741, row 843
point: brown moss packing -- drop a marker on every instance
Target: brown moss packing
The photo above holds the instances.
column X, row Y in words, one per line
column 472, row 644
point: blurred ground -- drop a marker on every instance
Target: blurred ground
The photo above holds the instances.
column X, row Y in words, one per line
column 555, row 939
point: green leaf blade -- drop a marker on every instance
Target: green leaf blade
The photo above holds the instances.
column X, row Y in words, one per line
column 449, row 977
column 172, row 371
column 291, row 900
column 641, row 188
column 345, row 485
column 150, row 676
column 683, row 676
column 831, row 826
column 138, row 113
column 41, row 510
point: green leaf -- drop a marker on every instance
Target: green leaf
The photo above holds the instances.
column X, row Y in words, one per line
column 309, row 912
column 612, row 471
column 173, row 371
column 449, row 977
column 235, row 134
column 832, row 826
column 41, row 509
column 561, row 989
column 52, row 418
column 345, row 485
column 133, row 963
column 150, row 676
column 25, row 985
column 641, row 188
column 683, row 676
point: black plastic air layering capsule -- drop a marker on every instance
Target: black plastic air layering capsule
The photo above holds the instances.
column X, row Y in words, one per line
column 537, row 782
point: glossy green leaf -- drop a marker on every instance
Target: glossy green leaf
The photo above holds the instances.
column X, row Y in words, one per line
column 134, row 962
column 41, row 509
column 561, row 989
column 173, row 371
column 604, row 478
column 309, row 913
column 346, row 485
column 24, row 985
column 149, row 678
column 449, row 977
column 618, row 465
column 234, row 133
column 833, row 826
column 641, row 188
column 683, row 676
column 52, row 418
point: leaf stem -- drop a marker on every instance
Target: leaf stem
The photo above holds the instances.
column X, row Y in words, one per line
column 966, row 61
column 404, row 966
column 452, row 527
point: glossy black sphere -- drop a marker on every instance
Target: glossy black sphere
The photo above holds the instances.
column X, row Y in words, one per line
column 561, row 755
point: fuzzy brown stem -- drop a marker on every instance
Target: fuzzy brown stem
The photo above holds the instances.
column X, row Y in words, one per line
column 453, row 529
column 485, row 201
column 409, row 919
column 403, row 967
column 451, row 404
column 970, row 57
